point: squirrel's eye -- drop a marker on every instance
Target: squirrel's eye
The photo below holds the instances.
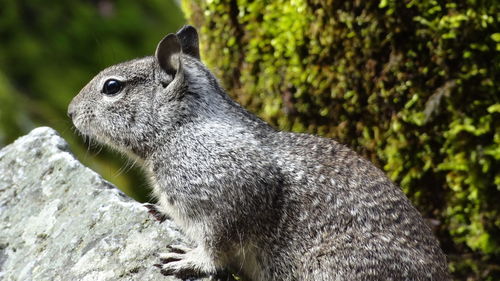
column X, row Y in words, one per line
column 112, row 87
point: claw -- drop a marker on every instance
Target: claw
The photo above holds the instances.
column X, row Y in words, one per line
column 164, row 261
column 178, row 249
column 153, row 210
column 167, row 272
column 171, row 256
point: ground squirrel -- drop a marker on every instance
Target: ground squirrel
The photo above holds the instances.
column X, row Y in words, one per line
column 265, row 204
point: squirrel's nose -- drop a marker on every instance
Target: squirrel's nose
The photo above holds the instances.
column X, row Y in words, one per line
column 71, row 111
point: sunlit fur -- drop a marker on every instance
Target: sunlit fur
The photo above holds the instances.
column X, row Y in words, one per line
column 268, row 205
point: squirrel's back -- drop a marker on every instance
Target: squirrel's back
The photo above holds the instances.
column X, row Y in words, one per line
column 353, row 220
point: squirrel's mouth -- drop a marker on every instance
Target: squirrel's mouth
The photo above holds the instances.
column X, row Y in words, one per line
column 93, row 134
column 83, row 126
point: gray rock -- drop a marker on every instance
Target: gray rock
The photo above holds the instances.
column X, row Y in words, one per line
column 62, row 221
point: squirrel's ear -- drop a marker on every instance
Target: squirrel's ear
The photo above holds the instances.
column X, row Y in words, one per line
column 189, row 41
column 168, row 54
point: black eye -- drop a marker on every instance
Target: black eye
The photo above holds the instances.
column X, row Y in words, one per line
column 111, row 87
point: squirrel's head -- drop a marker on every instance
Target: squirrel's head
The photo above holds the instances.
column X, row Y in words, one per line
column 132, row 104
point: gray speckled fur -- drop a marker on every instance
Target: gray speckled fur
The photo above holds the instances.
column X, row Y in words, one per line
column 269, row 205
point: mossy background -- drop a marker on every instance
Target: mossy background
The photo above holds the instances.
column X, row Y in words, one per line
column 412, row 85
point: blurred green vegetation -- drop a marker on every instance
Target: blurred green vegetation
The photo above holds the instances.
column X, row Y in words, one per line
column 50, row 49
column 412, row 85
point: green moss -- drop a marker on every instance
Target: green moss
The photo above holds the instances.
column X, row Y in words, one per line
column 410, row 85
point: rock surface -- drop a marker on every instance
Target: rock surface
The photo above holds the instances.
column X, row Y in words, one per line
column 61, row 221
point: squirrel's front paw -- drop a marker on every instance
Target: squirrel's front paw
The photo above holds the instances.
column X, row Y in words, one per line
column 153, row 210
column 184, row 262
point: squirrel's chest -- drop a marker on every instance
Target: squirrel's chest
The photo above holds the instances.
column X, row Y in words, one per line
column 189, row 226
column 170, row 204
